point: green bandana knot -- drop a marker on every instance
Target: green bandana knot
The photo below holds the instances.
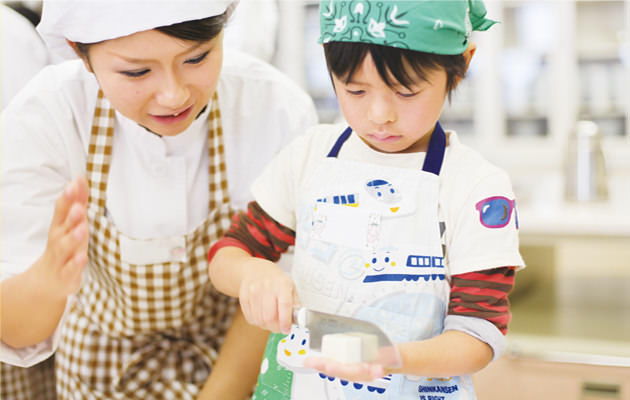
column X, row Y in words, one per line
column 432, row 26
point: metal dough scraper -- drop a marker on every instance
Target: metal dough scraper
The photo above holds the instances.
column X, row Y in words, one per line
column 320, row 324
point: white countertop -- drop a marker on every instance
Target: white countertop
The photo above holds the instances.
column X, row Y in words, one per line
column 569, row 350
column 542, row 209
column 601, row 219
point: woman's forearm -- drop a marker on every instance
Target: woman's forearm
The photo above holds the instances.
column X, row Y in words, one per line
column 234, row 374
column 30, row 313
column 451, row 353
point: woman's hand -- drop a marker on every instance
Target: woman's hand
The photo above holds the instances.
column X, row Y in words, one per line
column 354, row 372
column 267, row 296
column 61, row 266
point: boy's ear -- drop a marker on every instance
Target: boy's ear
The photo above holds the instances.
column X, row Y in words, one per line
column 82, row 56
column 468, row 55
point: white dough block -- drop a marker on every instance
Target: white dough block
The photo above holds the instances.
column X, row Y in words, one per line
column 350, row 347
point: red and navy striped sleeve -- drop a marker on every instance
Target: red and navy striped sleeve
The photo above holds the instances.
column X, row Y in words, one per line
column 483, row 294
column 257, row 233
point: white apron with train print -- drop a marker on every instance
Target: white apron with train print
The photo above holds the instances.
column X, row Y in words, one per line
column 368, row 246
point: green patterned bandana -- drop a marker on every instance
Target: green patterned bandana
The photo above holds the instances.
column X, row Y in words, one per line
column 431, row 26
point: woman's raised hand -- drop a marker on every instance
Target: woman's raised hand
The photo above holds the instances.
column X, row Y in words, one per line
column 61, row 266
column 267, row 296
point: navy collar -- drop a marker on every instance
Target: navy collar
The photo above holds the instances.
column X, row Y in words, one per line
column 435, row 150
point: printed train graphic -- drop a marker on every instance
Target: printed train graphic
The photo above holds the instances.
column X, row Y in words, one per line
column 384, row 267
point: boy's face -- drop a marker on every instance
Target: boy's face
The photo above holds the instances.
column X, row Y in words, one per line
column 159, row 81
column 391, row 120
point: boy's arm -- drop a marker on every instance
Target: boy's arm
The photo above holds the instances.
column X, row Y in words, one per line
column 233, row 377
column 464, row 347
column 240, row 266
column 478, row 299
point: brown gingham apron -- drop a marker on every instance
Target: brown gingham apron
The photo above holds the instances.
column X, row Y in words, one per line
column 145, row 331
column 36, row 382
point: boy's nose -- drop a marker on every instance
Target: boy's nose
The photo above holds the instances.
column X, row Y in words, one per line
column 381, row 112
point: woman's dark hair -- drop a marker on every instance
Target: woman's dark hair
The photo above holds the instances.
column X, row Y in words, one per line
column 199, row 30
column 344, row 58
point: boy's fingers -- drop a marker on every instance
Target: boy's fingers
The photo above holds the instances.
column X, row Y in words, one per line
column 268, row 313
column 285, row 311
column 246, row 310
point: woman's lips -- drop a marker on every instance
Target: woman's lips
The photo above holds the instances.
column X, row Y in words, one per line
column 173, row 118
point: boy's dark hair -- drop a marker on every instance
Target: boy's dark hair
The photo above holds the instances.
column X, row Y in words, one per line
column 199, row 30
column 344, row 58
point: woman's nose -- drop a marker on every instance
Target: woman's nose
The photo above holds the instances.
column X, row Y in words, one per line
column 381, row 111
column 173, row 93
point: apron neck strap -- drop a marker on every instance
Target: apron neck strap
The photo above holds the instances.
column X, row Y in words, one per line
column 334, row 152
column 435, row 151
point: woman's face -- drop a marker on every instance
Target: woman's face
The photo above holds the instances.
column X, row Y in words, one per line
column 159, row 81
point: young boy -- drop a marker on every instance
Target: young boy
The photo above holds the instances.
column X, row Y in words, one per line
column 393, row 220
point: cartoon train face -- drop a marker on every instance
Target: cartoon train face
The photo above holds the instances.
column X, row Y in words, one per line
column 383, row 191
column 376, row 386
column 379, row 262
column 384, row 267
column 293, row 348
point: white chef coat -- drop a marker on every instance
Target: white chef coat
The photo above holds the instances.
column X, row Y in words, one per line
column 22, row 53
column 158, row 186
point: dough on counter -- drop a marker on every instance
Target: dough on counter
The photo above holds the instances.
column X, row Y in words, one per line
column 350, row 347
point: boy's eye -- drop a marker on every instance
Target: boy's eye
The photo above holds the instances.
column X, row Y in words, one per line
column 406, row 94
column 135, row 74
column 355, row 92
column 197, row 60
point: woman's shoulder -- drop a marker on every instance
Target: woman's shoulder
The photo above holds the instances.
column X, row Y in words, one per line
column 243, row 73
column 62, row 97
column 66, row 84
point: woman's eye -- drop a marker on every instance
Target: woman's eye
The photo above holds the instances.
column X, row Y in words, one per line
column 355, row 92
column 197, row 60
column 135, row 74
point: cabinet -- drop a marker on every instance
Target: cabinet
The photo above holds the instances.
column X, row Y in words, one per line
column 517, row 378
column 569, row 334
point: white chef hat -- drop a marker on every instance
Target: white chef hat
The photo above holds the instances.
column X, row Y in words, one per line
column 91, row 21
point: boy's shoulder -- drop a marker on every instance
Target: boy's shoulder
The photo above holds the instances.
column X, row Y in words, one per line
column 317, row 141
column 467, row 167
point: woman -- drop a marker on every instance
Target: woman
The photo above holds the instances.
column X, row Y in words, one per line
column 22, row 52
column 109, row 270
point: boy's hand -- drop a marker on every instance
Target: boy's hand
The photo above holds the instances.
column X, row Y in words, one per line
column 61, row 266
column 354, row 372
column 267, row 295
